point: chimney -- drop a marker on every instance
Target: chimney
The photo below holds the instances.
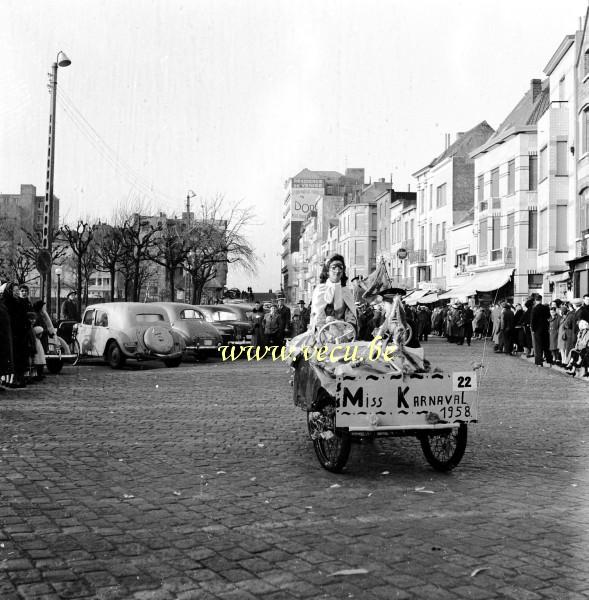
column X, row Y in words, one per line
column 381, row 180
column 536, row 87
column 446, row 141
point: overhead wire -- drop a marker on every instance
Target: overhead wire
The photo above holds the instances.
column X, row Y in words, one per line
column 106, row 151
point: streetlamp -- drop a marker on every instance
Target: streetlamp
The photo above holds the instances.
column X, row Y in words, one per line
column 189, row 194
column 58, row 272
column 61, row 61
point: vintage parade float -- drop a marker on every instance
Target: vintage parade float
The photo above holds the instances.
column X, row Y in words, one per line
column 350, row 388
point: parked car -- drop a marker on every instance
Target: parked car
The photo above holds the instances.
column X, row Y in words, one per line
column 235, row 316
column 201, row 338
column 117, row 331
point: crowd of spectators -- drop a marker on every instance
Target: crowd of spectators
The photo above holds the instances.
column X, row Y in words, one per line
column 25, row 332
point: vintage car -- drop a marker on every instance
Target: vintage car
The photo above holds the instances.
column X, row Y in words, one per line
column 117, row 331
column 233, row 315
column 201, row 338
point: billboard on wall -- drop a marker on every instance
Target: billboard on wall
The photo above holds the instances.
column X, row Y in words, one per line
column 302, row 202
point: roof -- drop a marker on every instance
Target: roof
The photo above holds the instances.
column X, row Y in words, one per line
column 465, row 143
column 523, row 118
column 308, row 174
column 374, row 191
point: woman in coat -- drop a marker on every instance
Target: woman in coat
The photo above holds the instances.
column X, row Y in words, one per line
column 257, row 318
column 6, row 354
column 479, row 323
column 553, row 329
column 580, row 353
column 22, row 339
column 566, row 335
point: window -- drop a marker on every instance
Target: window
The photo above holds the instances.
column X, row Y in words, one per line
column 584, row 209
column 443, row 231
column 509, row 242
column 441, row 195
column 421, row 200
column 562, row 244
column 373, row 224
column 191, row 314
column 561, row 158
column 89, row 317
column 438, row 232
column 431, row 195
column 496, row 233
column 92, row 281
column 422, row 237
column 543, row 167
column 585, row 130
column 495, row 183
column 483, row 236
column 533, row 173
column 460, row 261
column 406, row 230
column 148, row 318
column 481, row 190
column 542, row 233
column 562, row 89
column 532, row 229
column 411, row 229
column 586, row 63
column 511, row 177
column 431, row 239
column 101, row 318
column 359, row 252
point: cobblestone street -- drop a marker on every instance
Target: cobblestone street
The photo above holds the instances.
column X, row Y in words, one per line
column 200, row 482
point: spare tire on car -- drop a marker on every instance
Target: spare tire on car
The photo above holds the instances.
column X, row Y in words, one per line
column 159, row 340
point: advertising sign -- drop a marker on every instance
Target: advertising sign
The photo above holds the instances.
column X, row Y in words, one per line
column 302, row 203
column 401, row 253
column 406, row 401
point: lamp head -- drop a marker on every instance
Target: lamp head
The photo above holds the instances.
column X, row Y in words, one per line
column 58, row 271
column 190, row 194
column 63, row 60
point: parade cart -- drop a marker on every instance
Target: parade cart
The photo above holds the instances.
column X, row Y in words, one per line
column 398, row 397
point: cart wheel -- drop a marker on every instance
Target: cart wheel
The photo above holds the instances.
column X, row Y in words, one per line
column 332, row 445
column 444, row 450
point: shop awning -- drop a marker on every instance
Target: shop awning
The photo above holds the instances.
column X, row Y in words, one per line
column 415, row 296
column 430, row 298
column 479, row 282
column 559, row 277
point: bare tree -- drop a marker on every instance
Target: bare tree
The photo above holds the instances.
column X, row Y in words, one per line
column 217, row 240
column 171, row 249
column 79, row 241
column 138, row 241
column 108, row 245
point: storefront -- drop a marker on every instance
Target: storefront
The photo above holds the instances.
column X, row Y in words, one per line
column 488, row 287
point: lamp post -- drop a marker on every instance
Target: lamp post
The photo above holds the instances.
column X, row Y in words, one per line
column 61, row 61
column 58, row 273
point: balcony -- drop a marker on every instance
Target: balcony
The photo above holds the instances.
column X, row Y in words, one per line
column 439, row 248
column 582, row 248
column 408, row 244
column 417, row 256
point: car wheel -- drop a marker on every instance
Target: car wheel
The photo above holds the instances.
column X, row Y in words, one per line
column 114, row 356
column 54, row 366
column 172, row 363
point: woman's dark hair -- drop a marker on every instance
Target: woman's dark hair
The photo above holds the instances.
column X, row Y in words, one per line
column 37, row 306
column 324, row 276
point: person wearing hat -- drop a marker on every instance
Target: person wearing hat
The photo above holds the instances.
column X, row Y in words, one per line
column 69, row 308
column 332, row 299
column 539, row 327
column 284, row 314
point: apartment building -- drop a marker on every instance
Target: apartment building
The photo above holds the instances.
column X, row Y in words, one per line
column 303, row 191
column 444, row 197
column 402, row 215
column 579, row 231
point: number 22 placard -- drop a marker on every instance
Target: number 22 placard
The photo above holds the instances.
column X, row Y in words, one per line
column 465, row 381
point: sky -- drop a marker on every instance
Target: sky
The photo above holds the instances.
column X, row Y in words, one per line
column 232, row 97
